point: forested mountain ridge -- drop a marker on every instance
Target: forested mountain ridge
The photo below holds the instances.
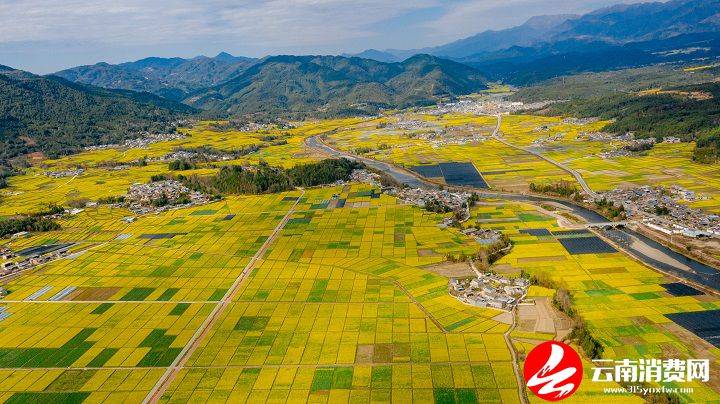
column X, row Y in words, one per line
column 334, row 84
column 55, row 116
column 172, row 78
column 617, row 25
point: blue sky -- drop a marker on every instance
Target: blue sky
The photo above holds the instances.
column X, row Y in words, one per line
column 44, row 36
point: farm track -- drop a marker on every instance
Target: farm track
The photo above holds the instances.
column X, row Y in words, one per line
column 708, row 281
column 579, row 178
column 167, row 378
column 415, row 180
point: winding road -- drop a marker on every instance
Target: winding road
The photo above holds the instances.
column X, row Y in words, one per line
column 641, row 248
column 579, row 178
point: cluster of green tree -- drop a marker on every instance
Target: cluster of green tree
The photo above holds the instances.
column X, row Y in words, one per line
column 26, row 223
column 366, row 149
column 563, row 301
column 35, row 222
column 57, row 117
column 582, row 335
column 323, row 172
column 111, row 200
column 236, row 180
column 688, row 112
column 563, row 188
column 473, row 199
column 362, row 150
column 163, row 200
column 267, row 179
column 707, row 148
column 437, row 206
column 485, row 257
column 639, row 147
column 609, row 210
column 181, row 165
column 160, row 177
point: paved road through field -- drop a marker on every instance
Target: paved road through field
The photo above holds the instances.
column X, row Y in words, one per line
column 649, row 252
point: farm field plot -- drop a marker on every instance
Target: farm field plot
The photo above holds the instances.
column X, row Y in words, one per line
column 191, row 254
column 344, row 304
column 666, row 164
column 502, row 167
column 625, row 304
column 96, row 181
column 104, row 324
column 341, row 309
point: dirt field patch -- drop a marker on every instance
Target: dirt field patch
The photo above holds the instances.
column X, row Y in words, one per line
column 93, row 294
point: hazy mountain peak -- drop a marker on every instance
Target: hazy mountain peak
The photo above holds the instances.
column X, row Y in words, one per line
column 224, row 56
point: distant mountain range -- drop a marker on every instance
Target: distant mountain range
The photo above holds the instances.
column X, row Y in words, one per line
column 544, row 47
column 297, row 84
column 616, row 25
column 172, row 78
column 609, row 38
column 338, row 85
column 56, row 117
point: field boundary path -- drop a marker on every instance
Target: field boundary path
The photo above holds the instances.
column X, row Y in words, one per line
column 578, row 177
column 167, row 378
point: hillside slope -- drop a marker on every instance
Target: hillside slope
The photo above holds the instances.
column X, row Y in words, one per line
column 172, row 78
column 333, row 84
column 54, row 116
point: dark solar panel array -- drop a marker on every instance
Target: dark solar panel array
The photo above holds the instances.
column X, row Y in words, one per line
column 681, row 289
column 460, row 174
column 704, row 324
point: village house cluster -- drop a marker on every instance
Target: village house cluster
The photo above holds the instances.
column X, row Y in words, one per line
column 366, row 177
column 140, row 143
column 491, row 106
column 12, row 263
column 64, row 173
column 445, row 138
column 660, row 209
column 579, row 121
column 634, row 146
column 490, row 290
column 456, row 201
column 196, row 156
column 541, row 141
column 162, row 195
column 411, row 125
column 483, row 236
column 604, row 137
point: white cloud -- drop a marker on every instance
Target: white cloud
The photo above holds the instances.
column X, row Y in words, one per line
column 271, row 23
column 46, row 35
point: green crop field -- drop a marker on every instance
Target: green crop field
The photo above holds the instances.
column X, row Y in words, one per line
column 503, row 167
column 301, row 298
